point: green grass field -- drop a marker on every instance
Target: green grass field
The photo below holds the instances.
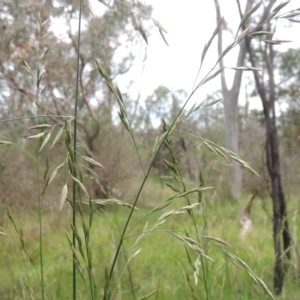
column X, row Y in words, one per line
column 162, row 262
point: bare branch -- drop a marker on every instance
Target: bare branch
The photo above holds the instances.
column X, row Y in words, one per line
column 220, row 50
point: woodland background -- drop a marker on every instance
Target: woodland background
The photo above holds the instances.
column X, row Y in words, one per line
column 32, row 55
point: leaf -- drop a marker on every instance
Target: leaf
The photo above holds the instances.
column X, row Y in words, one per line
column 63, row 196
column 149, row 295
column 260, row 33
column 104, row 3
column 180, row 195
column 213, row 102
column 209, row 147
column 45, row 141
column 40, row 126
column 249, row 13
column 46, row 52
column 279, row 7
column 174, row 188
column 37, row 136
column 207, row 45
column 57, row 137
column 156, row 23
column 119, row 94
column 134, row 254
column 109, row 202
column 198, row 105
column 155, row 146
column 46, row 171
column 77, row 181
column 290, row 15
column 90, row 7
column 110, row 86
column 71, row 165
column 237, row 159
column 26, row 67
column 276, row 42
column 40, row 78
column 5, row 143
column 212, row 76
column 163, row 36
column 293, row 20
column 44, row 90
column 103, row 74
column 197, row 265
column 215, row 239
column 245, row 69
column 56, row 171
column 242, row 35
column 263, row 285
column 124, row 121
column 221, row 153
column 189, row 257
column 193, row 108
column 140, row 28
column 232, row 45
column 92, row 161
column 163, row 136
column 162, row 205
column 143, row 33
column 171, row 166
column 141, row 236
column 275, row 11
column 247, row 167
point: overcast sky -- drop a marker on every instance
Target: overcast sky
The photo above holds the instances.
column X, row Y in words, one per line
column 190, row 24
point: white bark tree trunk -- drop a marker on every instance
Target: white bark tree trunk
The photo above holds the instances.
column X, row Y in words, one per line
column 230, row 97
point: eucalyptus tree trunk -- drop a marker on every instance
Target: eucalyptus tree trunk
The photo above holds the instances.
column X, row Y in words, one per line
column 281, row 235
column 230, row 97
column 268, row 96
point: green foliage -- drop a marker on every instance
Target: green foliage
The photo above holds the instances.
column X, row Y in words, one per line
column 160, row 262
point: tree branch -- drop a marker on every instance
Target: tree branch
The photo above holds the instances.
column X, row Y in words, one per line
column 220, row 50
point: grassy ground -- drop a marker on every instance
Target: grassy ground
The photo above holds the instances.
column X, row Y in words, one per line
column 162, row 262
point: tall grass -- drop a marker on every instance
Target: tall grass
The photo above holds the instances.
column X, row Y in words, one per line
column 74, row 150
column 186, row 202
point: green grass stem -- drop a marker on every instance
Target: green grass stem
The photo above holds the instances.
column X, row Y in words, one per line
column 74, row 147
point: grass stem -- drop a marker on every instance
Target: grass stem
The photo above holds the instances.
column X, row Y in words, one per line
column 74, row 146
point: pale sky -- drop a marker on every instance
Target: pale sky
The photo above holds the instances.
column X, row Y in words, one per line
column 190, row 24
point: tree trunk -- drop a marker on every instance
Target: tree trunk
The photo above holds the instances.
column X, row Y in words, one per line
column 281, row 235
column 230, row 97
column 232, row 143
